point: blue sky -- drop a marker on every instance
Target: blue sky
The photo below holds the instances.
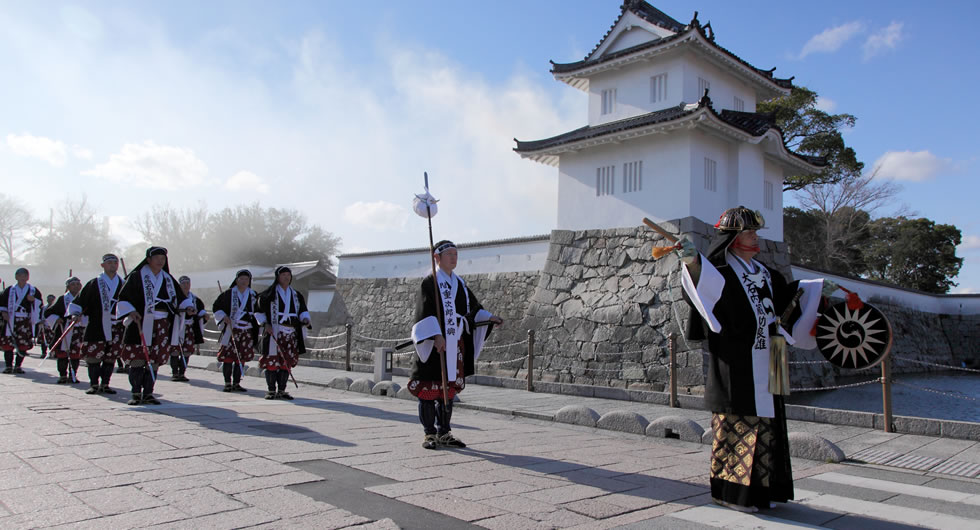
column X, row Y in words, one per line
column 336, row 108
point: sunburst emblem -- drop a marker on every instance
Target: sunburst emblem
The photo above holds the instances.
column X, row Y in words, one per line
column 857, row 338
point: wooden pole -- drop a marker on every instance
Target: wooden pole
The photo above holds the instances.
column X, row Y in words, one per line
column 530, row 360
column 350, row 340
column 672, row 341
column 886, row 392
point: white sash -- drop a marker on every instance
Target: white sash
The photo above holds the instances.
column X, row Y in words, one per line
column 752, row 283
column 150, row 290
column 106, row 295
column 13, row 304
column 453, row 322
column 238, row 307
column 276, row 327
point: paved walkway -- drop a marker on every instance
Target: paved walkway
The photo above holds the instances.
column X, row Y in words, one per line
column 338, row 459
column 909, row 451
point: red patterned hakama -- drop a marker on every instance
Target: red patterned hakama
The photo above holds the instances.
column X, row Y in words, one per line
column 22, row 334
column 246, row 347
column 433, row 389
column 159, row 349
column 114, row 350
column 287, row 352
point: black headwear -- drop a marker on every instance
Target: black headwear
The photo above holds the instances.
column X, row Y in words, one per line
column 279, row 270
column 239, row 274
column 70, row 280
column 21, row 270
column 183, row 279
column 731, row 223
column 109, row 257
column 152, row 251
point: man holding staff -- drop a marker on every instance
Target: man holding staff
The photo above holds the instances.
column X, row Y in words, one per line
column 284, row 314
column 190, row 332
column 235, row 311
column 740, row 306
column 69, row 350
column 103, row 339
column 149, row 303
column 20, row 311
column 466, row 326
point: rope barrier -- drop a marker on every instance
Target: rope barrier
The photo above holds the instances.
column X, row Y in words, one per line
column 327, row 349
column 934, row 391
column 835, row 387
column 927, row 363
column 499, row 346
column 341, row 334
column 375, row 339
column 489, row 363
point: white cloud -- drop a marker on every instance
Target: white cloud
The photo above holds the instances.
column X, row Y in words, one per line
column 378, row 215
column 884, row 39
column 831, row 39
column 149, row 165
column 82, row 153
column 970, row 243
column 246, row 181
column 966, row 290
column 908, row 165
column 826, row 104
column 51, row 151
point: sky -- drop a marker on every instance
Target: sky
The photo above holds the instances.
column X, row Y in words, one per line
column 336, row 108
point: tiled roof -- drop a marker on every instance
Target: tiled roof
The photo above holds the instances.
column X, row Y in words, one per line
column 588, row 131
column 653, row 15
column 752, row 123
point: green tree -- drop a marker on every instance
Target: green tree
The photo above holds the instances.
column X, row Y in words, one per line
column 811, row 131
column 252, row 234
column 182, row 232
column 914, row 253
column 15, row 222
column 78, row 240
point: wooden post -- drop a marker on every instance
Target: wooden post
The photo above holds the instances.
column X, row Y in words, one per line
column 672, row 341
column 530, row 360
column 350, row 339
column 886, row 392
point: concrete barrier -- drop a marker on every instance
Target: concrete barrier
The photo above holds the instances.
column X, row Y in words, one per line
column 341, row 383
column 363, row 386
column 623, row 421
column 675, row 427
column 385, row 388
column 577, row 415
column 813, row 447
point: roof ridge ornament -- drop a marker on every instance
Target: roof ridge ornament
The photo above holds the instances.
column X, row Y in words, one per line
column 694, row 23
column 705, row 101
column 709, row 31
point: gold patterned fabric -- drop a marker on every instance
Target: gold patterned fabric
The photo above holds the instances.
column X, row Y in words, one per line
column 750, row 460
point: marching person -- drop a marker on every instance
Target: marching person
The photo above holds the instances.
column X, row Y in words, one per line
column 20, row 311
column 284, row 314
column 103, row 338
column 42, row 330
column 69, row 351
column 236, row 310
column 736, row 302
column 191, row 333
column 149, row 303
column 459, row 337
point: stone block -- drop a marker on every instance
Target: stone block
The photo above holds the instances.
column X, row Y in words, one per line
column 606, row 392
column 924, row 426
column 577, row 415
column 214, row 367
column 577, row 390
column 562, row 237
column 963, row 430
column 403, row 393
column 708, row 437
column 255, row 371
column 385, row 388
column 675, row 427
column 363, row 386
column 340, row 382
column 623, row 421
column 812, row 447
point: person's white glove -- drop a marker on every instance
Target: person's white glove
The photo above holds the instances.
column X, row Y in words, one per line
column 687, row 252
column 829, row 288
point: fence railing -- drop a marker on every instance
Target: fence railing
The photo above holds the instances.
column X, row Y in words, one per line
column 352, row 343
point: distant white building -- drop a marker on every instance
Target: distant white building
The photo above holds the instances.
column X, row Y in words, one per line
column 672, row 130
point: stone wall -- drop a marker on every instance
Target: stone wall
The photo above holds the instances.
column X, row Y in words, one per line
column 602, row 311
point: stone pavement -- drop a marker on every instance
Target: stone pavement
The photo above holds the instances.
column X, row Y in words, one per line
column 909, row 451
column 336, row 459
